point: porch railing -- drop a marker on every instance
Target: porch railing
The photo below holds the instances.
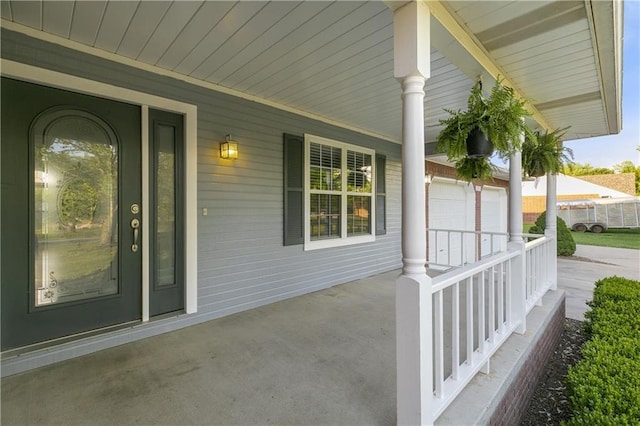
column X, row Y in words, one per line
column 477, row 306
column 538, row 255
column 451, row 248
column 474, row 312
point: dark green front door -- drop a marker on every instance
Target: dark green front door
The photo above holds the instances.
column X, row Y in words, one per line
column 70, row 213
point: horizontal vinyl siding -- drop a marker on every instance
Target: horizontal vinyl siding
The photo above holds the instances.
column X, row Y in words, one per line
column 242, row 262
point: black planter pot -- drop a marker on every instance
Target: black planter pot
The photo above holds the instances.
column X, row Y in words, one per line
column 478, row 146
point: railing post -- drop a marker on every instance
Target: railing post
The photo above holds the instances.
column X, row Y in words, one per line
column 414, row 306
column 517, row 281
column 551, row 231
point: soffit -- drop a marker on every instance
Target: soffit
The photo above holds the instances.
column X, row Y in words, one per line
column 335, row 59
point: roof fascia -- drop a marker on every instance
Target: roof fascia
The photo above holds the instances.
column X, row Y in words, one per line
column 606, row 24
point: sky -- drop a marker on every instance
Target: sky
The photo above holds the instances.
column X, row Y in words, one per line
column 605, row 151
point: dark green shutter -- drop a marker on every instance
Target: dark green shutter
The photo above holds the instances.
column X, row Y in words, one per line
column 293, row 190
column 381, row 195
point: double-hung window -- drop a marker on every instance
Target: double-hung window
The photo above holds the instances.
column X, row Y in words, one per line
column 339, row 193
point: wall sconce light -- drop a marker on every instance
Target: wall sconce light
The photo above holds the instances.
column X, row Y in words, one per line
column 229, row 148
column 428, row 178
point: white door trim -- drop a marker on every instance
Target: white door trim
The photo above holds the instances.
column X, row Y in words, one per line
column 47, row 77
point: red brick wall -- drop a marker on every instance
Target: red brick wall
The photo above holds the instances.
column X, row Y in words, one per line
column 516, row 399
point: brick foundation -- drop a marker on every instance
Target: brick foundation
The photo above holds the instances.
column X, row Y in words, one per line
column 517, row 397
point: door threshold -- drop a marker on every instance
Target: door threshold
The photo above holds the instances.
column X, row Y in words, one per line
column 12, row 353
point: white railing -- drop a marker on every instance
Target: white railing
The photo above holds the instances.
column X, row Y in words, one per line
column 540, row 260
column 475, row 309
column 452, row 248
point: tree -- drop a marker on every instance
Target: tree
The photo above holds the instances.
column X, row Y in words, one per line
column 578, row 169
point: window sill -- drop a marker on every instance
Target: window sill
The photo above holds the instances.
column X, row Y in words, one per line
column 338, row 242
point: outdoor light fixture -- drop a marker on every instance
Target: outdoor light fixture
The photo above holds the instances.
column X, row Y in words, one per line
column 229, row 148
column 428, row 178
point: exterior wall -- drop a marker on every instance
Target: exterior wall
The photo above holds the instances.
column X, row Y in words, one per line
column 242, row 262
column 533, row 205
column 623, row 182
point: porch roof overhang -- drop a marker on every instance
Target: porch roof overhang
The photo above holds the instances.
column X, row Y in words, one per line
column 334, row 60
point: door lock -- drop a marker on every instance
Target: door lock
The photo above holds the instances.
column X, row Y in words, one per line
column 135, row 225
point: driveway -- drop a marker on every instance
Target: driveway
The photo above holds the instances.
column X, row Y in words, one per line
column 577, row 274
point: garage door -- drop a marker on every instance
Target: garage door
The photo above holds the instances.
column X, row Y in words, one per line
column 451, row 207
column 493, row 214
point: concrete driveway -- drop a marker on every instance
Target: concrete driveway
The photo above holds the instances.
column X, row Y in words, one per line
column 577, row 275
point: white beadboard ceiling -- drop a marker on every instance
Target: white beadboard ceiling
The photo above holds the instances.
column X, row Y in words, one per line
column 335, row 59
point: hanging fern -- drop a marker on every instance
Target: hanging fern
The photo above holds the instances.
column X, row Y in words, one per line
column 500, row 117
column 469, row 169
column 542, row 153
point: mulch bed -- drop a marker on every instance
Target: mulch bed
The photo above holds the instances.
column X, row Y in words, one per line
column 550, row 403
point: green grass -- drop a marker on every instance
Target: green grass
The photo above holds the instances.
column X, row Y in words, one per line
column 620, row 238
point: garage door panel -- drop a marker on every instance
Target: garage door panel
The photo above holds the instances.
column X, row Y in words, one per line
column 451, row 207
column 493, row 211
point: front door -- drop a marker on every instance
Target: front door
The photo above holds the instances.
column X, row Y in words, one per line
column 71, row 214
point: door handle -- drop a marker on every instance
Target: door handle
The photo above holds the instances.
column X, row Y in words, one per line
column 135, row 225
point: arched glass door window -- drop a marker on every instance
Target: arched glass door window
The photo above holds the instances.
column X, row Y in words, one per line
column 75, row 203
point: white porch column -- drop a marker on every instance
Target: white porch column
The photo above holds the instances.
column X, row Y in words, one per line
column 515, row 197
column 516, row 242
column 413, row 287
column 551, row 229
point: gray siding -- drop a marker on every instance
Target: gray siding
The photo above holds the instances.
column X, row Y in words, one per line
column 242, row 262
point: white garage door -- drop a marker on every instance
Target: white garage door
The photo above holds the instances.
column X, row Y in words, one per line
column 493, row 214
column 451, row 207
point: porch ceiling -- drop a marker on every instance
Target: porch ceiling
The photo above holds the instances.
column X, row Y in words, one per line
column 335, row 59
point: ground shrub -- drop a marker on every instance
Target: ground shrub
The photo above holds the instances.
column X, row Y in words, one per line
column 605, row 386
column 566, row 244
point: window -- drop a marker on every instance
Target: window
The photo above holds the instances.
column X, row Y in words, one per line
column 339, row 193
column 294, row 196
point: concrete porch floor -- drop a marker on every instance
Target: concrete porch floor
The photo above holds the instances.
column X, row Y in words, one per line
column 323, row 358
column 327, row 358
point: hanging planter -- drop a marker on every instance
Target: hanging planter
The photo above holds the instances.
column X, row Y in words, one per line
column 499, row 117
column 542, row 153
column 478, row 146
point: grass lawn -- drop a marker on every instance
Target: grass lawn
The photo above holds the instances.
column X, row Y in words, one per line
column 621, row 238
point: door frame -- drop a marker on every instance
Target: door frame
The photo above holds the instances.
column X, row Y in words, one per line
column 32, row 74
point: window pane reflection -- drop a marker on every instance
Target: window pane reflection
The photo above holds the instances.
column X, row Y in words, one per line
column 166, row 199
column 75, row 208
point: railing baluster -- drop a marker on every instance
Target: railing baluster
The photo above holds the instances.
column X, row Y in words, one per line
column 492, row 305
column 508, row 283
column 438, row 337
column 481, row 313
column 436, row 261
column 501, row 299
column 470, row 329
column 455, row 331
